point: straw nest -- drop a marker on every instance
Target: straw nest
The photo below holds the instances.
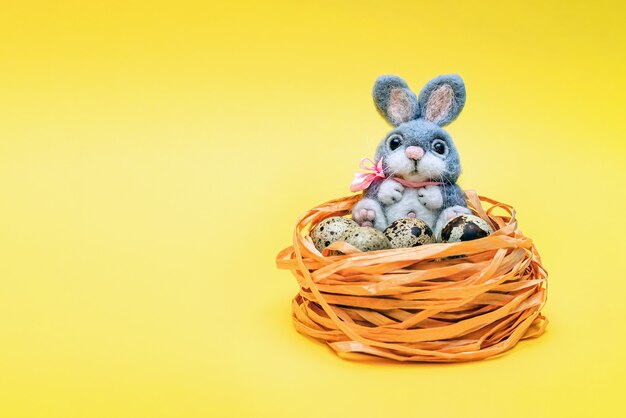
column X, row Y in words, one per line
column 434, row 303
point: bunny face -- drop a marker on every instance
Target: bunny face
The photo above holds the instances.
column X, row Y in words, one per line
column 419, row 149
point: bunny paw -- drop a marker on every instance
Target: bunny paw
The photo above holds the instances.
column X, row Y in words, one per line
column 430, row 197
column 365, row 217
column 454, row 211
column 368, row 212
column 390, row 192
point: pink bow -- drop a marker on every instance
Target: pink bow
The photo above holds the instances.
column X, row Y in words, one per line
column 363, row 180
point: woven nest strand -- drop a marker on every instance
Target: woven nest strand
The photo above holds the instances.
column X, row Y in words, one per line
column 434, row 303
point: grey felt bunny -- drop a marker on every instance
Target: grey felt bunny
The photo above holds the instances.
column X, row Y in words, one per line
column 420, row 164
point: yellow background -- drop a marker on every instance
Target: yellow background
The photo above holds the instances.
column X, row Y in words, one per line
column 155, row 155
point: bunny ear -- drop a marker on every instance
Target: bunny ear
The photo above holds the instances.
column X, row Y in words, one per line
column 394, row 100
column 442, row 99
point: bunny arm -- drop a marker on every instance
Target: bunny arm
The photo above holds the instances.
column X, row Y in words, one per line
column 452, row 195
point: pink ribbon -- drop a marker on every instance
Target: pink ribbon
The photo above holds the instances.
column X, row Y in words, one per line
column 416, row 184
column 363, row 180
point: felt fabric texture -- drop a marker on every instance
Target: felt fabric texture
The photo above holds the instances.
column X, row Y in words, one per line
column 442, row 99
column 394, row 100
column 439, row 104
column 417, row 124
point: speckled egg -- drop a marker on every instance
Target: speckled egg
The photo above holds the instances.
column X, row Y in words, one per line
column 366, row 238
column 409, row 232
column 465, row 228
column 331, row 230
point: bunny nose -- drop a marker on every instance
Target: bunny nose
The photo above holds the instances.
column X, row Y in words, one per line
column 414, row 153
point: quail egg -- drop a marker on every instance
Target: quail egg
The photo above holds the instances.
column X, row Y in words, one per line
column 409, row 232
column 366, row 238
column 331, row 230
column 465, row 228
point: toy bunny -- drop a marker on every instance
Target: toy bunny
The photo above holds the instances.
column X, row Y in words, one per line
column 416, row 165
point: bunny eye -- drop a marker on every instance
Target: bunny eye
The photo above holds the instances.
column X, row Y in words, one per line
column 394, row 142
column 439, row 146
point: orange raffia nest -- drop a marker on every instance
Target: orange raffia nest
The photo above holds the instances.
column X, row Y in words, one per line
column 435, row 303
